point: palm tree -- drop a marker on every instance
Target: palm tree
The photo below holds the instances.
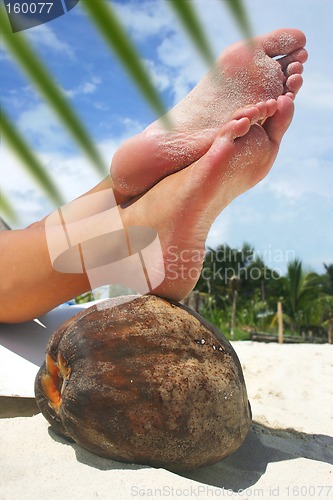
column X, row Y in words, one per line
column 103, row 16
column 325, row 301
column 300, row 289
column 328, row 277
column 224, row 278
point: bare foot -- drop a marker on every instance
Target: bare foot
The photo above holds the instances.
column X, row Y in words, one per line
column 240, row 156
column 244, row 74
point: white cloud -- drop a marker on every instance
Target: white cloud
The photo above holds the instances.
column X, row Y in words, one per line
column 278, row 225
column 87, row 87
column 317, row 92
column 72, row 174
column 177, row 66
column 131, row 127
column 151, row 19
column 159, row 75
column 294, row 179
column 4, row 56
column 101, row 106
column 277, row 211
column 14, row 98
column 41, row 128
column 44, row 37
column 23, row 193
column 220, row 231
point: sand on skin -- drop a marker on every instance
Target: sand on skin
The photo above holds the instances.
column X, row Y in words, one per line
column 288, row 452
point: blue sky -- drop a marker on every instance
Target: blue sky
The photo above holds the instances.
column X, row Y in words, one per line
column 289, row 214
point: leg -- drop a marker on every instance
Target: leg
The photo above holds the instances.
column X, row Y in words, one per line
column 240, row 156
column 244, row 74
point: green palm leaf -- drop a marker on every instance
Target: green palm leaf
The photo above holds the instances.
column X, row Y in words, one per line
column 239, row 12
column 7, row 209
column 29, row 160
column 103, row 16
column 188, row 17
column 108, row 25
column 40, row 77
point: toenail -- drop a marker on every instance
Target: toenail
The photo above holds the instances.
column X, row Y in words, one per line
column 261, row 121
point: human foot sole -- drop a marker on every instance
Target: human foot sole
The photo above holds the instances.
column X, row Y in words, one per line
column 243, row 74
column 240, row 156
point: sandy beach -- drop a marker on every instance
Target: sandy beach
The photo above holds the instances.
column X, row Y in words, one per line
column 288, row 452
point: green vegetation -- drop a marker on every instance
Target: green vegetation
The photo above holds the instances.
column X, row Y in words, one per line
column 84, row 298
column 239, row 293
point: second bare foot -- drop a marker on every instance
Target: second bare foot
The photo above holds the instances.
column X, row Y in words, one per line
column 182, row 206
column 243, row 74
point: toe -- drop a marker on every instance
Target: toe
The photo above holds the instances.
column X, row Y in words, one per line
column 294, row 69
column 266, row 109
column 281, row 42
column 300, row 55
column 277, row 125
column 254, row 113
column 251, row 112
column 240, row 127
column 215, row 162
column 293, row 84
column 271, row 107
column 223, row 144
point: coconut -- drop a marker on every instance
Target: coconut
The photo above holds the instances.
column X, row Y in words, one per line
column 147, row 381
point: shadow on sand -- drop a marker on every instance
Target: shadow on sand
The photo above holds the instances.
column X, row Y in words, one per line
column 263, row 446
column 244, row 468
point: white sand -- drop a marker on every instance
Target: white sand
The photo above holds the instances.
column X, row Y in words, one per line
column 290, row 388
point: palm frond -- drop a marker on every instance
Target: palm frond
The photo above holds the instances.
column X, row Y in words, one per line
column 189, row 18
column 29, row 160
column 29, row 61
column 6, row 209
column 238, row 10
column 108, row 25
column 103, row 16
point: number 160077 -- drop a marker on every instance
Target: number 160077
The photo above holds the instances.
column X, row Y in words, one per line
column 29, row 8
